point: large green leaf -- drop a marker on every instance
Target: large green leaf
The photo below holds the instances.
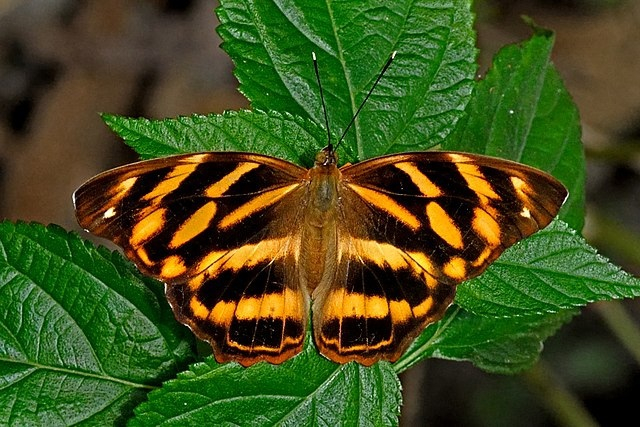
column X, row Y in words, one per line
column 82, row 337
column 304, row 391
column 554, row 269
column 414, row 107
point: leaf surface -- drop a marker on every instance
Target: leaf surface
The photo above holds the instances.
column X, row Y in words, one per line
column 553, row 270
column 307, row 390
column 416, row 103
column 82, row 336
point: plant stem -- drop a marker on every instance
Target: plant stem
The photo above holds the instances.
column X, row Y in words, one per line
column 622, row 325
column 562, row 404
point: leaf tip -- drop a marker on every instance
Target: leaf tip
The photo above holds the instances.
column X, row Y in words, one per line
column 537, row 30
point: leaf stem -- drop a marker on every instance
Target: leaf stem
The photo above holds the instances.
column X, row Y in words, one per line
column 622, row 326
column 567, row 409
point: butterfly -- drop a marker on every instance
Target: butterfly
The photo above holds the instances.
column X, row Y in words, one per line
column 249, row 246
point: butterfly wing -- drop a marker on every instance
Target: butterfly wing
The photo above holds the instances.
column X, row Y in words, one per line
column 414, row 226
column 216, row 228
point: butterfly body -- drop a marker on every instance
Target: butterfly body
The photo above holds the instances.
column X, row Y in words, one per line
column 249, row 245
column 319, row 238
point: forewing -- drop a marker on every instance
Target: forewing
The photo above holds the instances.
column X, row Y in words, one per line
column 219, row 230
column 414, row 226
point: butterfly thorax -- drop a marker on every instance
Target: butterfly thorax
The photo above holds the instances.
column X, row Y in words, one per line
column 319, row 237
column 323, row 186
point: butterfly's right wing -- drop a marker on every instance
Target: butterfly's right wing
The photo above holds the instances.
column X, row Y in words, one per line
column 219, row 230
column 413, row 226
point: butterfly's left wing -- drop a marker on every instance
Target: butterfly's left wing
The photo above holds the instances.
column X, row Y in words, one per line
column 220, row 230
column 412, row 227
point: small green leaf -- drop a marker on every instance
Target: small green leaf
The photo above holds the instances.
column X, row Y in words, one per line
column 522, row 111
column 306, row 390
column 552, row 270
column 415, row 105
column 500, row 345
column 82, row 338
column 277, row 134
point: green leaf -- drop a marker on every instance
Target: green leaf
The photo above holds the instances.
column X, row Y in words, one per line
column 277, row 134
column 552, row 270
column 82, row 338
column 306, row 390
column 501, row 318
column 522, row 111
column 500, row 345
column 416, row 104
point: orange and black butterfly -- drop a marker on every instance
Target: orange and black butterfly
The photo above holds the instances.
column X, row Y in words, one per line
column 250, row 245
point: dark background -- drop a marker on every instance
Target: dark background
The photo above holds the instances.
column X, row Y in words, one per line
column 63, row 61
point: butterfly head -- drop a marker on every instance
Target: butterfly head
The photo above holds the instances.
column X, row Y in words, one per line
column 327, row 156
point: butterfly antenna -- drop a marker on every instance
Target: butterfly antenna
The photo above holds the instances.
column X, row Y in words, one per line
column 353, row 119
column 324, row 106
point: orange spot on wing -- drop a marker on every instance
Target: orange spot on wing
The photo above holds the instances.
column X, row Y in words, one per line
column 198, row 309
column 256, row 204
column 423, row 308
column 424, row 184
column 477, row 182
column 197, row 223
column 486, row 226
column 222, row 313
column 386, row 204
column 456, row 268
column 170, row 182
column 147, row 227
column 444, row 226
column 400, row 311
column 172, row 267
column 220, row 187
